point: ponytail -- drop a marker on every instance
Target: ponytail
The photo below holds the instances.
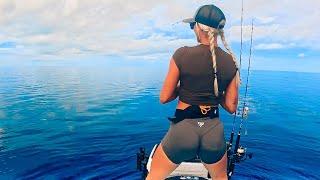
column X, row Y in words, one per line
column 212, row 34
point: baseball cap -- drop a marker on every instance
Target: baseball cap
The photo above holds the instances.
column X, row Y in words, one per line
column 209, row 15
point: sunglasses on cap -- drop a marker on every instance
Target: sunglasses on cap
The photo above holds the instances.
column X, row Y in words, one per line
column 192, row 24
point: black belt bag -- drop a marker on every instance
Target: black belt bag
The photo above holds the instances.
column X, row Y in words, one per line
column 193, row 112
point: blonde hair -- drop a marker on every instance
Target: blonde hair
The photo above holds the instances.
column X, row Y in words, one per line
column 212, row 34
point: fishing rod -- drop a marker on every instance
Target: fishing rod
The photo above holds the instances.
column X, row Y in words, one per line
column 241, row 45
column 241, row 34
column 239, row 153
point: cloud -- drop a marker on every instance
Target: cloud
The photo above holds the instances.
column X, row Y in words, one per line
column 301, row 55
column 265, row 20
column 269, row 46
column 141, row 28
column 276, row 23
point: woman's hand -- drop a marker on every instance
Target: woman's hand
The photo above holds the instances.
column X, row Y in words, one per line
column 170, row 86
column 230, row 99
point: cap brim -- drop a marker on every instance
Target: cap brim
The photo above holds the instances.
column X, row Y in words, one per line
column 188, row 20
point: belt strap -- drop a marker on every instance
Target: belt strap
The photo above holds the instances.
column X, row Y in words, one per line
column 195, row 111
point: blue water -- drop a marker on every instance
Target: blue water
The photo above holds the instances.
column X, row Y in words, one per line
column 82, row 122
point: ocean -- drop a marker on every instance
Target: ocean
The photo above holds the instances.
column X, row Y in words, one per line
column 67, row 121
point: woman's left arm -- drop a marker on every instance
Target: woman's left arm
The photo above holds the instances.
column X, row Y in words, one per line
column 170, row 86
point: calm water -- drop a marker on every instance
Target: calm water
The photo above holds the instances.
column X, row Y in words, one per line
column 65, row 121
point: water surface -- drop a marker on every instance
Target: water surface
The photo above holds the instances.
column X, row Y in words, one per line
column 67, row 121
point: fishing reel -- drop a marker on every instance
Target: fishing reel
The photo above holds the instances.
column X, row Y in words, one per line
column 237, row 155
column 244, row 112
column 240, row 155
column 142, row 160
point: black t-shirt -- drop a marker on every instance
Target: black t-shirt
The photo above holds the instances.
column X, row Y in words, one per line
column 196, row 73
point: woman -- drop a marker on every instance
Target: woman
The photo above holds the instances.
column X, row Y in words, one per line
column 203, row 77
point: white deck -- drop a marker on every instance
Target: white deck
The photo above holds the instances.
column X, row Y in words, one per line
column 185, row 169
column 190, row 169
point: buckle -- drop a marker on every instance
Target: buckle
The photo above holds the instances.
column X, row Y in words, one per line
column 204, row 109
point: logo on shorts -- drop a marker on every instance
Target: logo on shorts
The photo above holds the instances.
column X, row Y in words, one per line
column 200, row 124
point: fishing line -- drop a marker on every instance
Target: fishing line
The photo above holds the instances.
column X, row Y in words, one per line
column 241, row 36
column 248, row 72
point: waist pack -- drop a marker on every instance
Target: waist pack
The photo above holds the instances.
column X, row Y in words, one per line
column 194, row 111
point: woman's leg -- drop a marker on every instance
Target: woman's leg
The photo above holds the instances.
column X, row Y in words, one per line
column 180, row 143
column 218, row 170
column 161, row 166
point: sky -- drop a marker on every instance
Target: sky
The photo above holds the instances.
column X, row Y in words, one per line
column 286, row 34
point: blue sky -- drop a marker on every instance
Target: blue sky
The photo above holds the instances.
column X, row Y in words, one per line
column 286, row 35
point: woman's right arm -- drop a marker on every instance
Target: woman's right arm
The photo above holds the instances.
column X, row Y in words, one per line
column 230, row 99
